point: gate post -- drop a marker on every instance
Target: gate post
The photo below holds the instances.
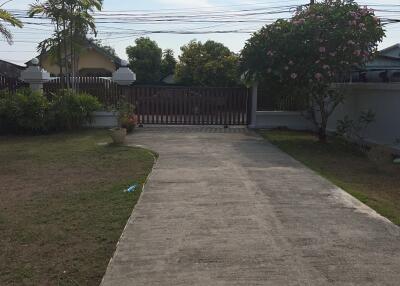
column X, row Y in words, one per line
column 253, row 110
column 35, row 76
column 124, row 75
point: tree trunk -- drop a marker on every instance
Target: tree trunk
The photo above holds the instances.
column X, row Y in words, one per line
column 322, row 128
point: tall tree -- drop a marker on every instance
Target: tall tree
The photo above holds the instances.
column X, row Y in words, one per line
column 305, row 55
column 72, row 20
column 8, row 18
column 168, row 63
column 145, row 60
column 208, row 64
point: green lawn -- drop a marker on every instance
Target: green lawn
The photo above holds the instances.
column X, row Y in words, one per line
column 62, row 205
column 347, row 167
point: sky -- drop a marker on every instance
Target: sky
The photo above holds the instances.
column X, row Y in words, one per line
column 120, row 35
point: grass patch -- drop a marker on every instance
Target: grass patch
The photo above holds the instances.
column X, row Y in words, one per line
column 62, row 208
column 347, row 167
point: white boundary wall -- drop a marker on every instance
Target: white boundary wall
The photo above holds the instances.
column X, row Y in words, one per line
column 382, row 98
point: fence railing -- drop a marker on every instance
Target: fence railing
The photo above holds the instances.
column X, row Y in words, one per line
column 104, row 89
column 11, row 84
column 189, row 105
column 167, row 104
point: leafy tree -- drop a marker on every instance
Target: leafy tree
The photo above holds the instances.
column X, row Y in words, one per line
column 107, row 49
column 145, row 60
column 7, row 17
column 208, row 64
column 320, row 45
column 168, row 63
column 72, row 20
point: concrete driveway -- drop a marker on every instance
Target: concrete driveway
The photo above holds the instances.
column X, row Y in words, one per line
column 225, row 207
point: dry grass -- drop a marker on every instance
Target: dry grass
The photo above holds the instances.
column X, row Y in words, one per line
column 347, row 167
column 62, row 208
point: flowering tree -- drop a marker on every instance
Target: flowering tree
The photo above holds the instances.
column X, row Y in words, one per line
column 317, row 47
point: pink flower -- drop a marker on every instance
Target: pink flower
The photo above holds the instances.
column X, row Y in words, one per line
column 357, row 52
column 318, row 76
column 293, row 75
column 270, row 53
column 299, row 21
column 361, row 25
column 353, row 23
column 322, row 49
column 325, row 67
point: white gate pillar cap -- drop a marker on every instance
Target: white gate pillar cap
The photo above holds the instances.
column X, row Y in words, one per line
column 34, row 74
column 124, row 75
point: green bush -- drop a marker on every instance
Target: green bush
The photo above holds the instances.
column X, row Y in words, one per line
column 25, row 111
column 31, row 112
column 70, row 111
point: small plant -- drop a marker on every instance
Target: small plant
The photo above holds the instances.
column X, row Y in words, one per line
column 127, row 118
column 353, row 129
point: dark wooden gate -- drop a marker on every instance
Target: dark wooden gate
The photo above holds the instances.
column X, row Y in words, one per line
column 189, row 105
column 170, row 104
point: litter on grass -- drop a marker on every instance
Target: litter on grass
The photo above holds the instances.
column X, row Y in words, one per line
column 132, row 188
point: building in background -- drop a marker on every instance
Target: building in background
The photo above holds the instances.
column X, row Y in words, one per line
column 94, row 61
column 384, row 68
column 10, row 70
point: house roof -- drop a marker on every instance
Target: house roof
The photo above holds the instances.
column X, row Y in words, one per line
column 10, row 69
column 99, row 49
column 395, row 46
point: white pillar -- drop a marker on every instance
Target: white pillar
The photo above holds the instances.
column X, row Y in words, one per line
column 254, row 95
column 124, row 75
column 35, row 76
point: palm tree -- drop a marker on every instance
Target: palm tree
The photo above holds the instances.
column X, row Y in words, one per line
column 7, row 17
column 73, row 20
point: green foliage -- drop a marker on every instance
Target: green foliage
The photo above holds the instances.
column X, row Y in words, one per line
column 25, row 111
column 127, row 118
column 7, row 17
column 72, row 21
column 353, row 129
column 320, row 45
column 208, row 64
column 168, row 63
column 31, row 112
column 70, row 111
column 145, row 60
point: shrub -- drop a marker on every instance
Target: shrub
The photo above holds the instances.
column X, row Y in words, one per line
column 70, row 111
column 31, row 112
column 127, row 118
column 25, row 111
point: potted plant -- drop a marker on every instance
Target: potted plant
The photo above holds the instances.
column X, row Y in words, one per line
column 127, row 121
